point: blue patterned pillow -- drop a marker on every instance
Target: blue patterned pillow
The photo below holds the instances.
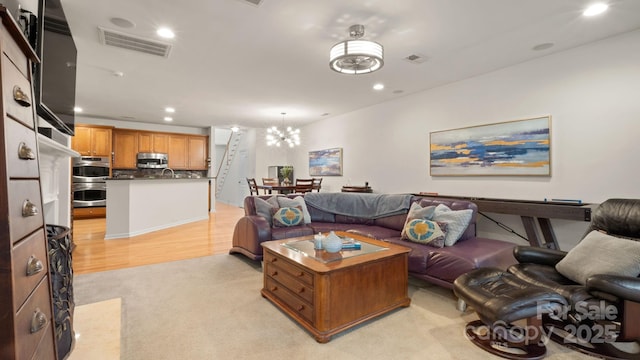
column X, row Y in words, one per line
column 287, row 216
column 426, row 232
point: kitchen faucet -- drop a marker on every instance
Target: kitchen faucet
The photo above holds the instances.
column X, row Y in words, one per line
column 170, row 169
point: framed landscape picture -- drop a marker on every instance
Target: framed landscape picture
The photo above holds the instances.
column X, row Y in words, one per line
column 326, row 162
column 519, row 147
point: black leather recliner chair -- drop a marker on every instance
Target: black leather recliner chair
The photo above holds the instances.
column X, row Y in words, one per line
column 587, row 299
column 604, row 312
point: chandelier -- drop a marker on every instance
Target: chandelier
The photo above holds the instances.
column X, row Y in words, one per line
column 287, row 136
column 356, row 56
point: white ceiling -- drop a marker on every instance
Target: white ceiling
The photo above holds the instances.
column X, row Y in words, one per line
column 234, row 63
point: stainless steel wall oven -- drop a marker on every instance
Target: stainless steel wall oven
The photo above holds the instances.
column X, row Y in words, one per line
column 89, row 187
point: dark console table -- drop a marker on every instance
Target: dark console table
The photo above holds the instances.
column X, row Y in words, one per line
column 532, row 211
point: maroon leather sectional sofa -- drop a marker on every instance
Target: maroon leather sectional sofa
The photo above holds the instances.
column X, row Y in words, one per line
column 440, row 266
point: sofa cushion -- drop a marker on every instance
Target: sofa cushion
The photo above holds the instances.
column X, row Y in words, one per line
column 265, row 208
column 457, row 222
column 287, row 216
column 425, row 232
column 296, row 201
column 417, row 212
column 395, row 222
column 279, row 233
column 604, row 254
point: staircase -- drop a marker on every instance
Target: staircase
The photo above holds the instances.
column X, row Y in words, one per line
column 227, row 159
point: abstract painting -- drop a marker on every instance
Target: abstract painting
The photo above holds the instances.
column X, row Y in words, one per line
column 519, row 147
column 326, row 162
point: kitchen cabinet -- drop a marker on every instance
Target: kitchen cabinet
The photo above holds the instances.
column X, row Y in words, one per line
column 92, row 140
column 197, row 149
column 26, row 312
column 178, row 150
column 153, row 142
column 125, row 149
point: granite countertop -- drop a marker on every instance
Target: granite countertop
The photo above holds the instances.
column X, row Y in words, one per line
column 128, row 177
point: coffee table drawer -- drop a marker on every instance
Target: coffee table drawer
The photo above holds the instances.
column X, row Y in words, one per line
column 297, row 287
column 290, row 300
column 289, row 267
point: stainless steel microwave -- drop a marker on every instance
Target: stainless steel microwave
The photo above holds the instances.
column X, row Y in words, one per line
column 152, row 160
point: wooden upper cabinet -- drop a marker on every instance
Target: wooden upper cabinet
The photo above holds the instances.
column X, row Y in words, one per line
column 125, row 149
column 92, row 140
column 153, row 142
column 197, row 152
column 178, row 159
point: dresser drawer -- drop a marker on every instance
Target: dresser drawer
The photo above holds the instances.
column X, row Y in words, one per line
column 289, row 267
column 22, row 151
column 297, row 305
column 45, row 350
column 29, row 265
column 300, row 288
column 24, row 202
column 16, row 91
column 33, row 320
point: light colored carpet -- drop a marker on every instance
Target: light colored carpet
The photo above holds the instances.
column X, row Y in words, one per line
column 211, row 308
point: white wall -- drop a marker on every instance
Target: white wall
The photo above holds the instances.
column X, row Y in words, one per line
column 591, row 92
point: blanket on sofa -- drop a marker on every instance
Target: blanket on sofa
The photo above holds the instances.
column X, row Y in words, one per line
column 367, row 206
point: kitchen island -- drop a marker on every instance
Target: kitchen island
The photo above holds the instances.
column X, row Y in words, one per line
column 137, row 206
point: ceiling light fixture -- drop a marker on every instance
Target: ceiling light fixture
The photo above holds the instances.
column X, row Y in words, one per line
column 166, row 33
column 169, row 109
column 168, row 118
column 378, row 86
column 595, row 9
column 356, row 56
column 77, row 109
column 287, row 136
column 235, row 129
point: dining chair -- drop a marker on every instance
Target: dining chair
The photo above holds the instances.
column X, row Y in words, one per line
column 253, row 186
column 304, row 185
column 316, row 184
column 269, row 182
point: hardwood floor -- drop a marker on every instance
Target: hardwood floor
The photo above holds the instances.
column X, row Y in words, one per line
column 202, row 238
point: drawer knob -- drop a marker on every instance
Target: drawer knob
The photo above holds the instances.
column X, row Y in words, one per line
column 301, row 273
column 301, row 290
column 274, row 273
column 300, row 307
column 21, row 97
column 29, row 209
column 38, row 321
column 25, row 152
column 274, row 288
column 34, row 266
column 274, row 260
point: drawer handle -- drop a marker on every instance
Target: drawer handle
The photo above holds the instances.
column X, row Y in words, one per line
column 34, row 266
column 301, row 290
column 38, row 321
column 274, row 273
column 274, row 288
column 274, row 260
column 29, row 209
column 21, row 97
column 301, row 273
column 300, row 307
column 25, row 152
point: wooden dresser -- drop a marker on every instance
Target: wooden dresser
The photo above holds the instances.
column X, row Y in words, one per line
column 26, row 330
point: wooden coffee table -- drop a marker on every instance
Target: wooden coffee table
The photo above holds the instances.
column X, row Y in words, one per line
column 329, row 293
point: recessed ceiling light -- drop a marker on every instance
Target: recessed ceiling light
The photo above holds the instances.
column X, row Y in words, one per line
column 165, row 33
column 235, row 128
column 169, row 109
column 595, row 9
column 168, row 118
column 543, row 46
column 378, row 86
column 77, row 109
column 123, row 23
column 117, row 73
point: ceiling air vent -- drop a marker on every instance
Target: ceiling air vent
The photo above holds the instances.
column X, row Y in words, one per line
column 135, row 43
column 416, row 58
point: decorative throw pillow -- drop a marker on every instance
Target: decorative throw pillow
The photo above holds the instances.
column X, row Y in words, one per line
column 264, row 207
column 457, row 222
column 417, row 212
column 288, row 216
column 600, row 253
column 284, row 201
column 426, row 232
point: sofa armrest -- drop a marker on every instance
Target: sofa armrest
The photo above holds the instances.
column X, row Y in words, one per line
column 249, row 233
column 537, row 255
column 624, row 287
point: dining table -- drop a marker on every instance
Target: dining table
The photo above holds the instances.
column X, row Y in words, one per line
column 282, row 189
